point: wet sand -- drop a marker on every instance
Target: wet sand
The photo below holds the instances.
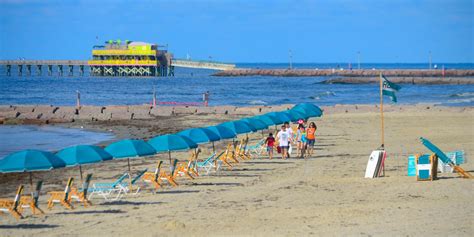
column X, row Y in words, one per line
column 325, row 195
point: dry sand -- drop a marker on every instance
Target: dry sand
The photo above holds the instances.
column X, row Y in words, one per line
column 325, row 195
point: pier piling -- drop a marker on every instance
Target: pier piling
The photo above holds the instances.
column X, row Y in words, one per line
column 20, row 70
column 38, row 70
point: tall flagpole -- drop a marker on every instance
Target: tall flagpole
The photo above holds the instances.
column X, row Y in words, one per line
column 381, row 109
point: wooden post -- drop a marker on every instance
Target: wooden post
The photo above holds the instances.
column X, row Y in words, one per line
column 78, row 99
column 154, row 97
column 381, row 111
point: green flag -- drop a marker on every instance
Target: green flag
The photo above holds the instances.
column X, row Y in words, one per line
column 389, row 88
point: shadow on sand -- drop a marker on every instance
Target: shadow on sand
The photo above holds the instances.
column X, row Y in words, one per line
column 28, row 226
column 270, row 162
column 116, row 211
column 247, row 169
column 235, row 175
column 216, row 184
column 178, row 191
column 120, row 203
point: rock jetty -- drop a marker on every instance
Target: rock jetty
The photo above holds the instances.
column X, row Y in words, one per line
column 413, row 76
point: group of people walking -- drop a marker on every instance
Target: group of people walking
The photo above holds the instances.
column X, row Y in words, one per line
column 304, row 139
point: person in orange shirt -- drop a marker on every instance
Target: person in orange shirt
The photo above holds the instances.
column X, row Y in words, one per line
column 311, row 137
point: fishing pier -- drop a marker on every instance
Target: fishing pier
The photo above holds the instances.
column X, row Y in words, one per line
column 114, row 59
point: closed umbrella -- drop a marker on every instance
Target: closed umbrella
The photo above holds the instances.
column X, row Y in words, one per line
column 129, row 148
column 29, row 161
column 83, row 154
column 441, row 155
column 171, row 142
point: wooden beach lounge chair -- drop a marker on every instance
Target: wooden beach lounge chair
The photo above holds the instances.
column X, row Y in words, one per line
column 153, row 178
column 32, row 201
column 12, row 206
column 189, row 168
column 171, row 176
column 224, row 158
column 107, row 190
column 62, row 197
column 80, row 195
column 241, row 150
column 231, row 155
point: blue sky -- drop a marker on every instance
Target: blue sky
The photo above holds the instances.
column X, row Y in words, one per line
column 245, row 31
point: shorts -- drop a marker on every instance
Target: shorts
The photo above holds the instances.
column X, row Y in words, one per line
column 311, row 142
column 284, row 147
column 269, row 148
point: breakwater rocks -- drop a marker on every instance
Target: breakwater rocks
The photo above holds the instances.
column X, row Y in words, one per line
column 46, row 114
column 403, row 80
column 452, row 76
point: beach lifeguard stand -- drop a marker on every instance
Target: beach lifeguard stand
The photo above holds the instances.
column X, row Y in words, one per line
column 426, row 167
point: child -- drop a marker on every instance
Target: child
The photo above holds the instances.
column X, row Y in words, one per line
column 270, row 143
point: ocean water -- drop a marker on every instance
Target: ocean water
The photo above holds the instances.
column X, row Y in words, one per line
column 48, row 138
column 189, row 84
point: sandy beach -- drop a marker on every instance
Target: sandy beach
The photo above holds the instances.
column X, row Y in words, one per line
column 325, row 195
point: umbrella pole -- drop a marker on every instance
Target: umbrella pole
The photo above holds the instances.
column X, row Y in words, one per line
column 213, row 148
column 169, row 156
column 80, row 171
column 31, row 183
column 129, row 175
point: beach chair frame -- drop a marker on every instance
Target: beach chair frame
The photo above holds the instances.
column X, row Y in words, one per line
column 32, row 201
column 107, row 190
column 62, row 197
column 171, row 177
column 153, row 177
column 13, row 206
column 80, row 195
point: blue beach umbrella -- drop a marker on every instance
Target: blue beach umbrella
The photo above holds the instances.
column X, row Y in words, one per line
column 171, row 142
column 295, row 115
column 239, row 126
column 309, row 109
column 268, row 120
column 256, row 123
column 129, row 148
column 200, row 135
column 83, row 154
column 223, row 132
column 282, row 117
column 29, row 161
